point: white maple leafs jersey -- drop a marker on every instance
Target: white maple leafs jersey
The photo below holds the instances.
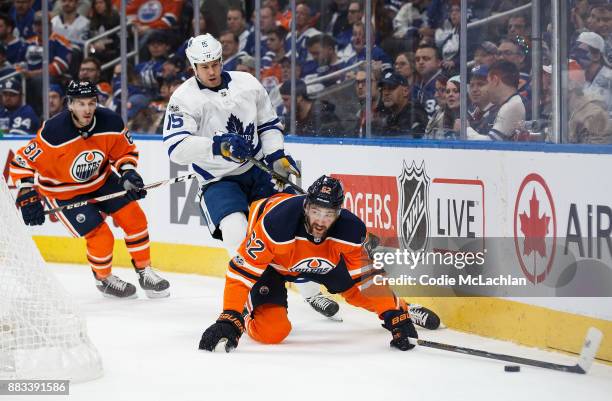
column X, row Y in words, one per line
column 195, row 114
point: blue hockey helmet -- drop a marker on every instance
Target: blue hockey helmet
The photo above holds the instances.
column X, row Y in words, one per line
column 327, row 192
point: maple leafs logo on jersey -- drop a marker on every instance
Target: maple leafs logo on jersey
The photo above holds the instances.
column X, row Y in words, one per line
column 234, row 125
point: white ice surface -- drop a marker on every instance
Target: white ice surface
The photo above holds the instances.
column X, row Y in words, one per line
column 149, row 350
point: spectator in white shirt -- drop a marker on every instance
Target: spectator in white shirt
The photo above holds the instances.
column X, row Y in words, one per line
column 70, row 24
column 502, row 82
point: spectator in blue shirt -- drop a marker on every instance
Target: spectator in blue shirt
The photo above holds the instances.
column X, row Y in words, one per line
column 15, row 118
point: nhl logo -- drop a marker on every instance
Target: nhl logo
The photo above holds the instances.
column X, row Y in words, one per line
column 86, row 165
column 413, row 216
column 264, row 290
column 81, row 218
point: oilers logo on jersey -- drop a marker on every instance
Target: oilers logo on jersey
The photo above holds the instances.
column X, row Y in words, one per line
column 86, row 165
column 313, row 265
column 150, row 11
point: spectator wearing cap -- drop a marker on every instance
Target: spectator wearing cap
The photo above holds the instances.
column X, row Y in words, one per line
column 246, row 63
column 447, row 40
column 325, row 61
column 14, row 46
column 104, row 17
column 428, row 62
column 229, row 50
column 360, row 90
column 22, row 13
column 15, row 117
column 589, row 120
column 56, row 100
column 70, row 24
column 304, row 31
column 589, row 53
column 311, row 118
column 400, row 115
column 485, row 54
column 357, row 52
column 514, row 50
column 502, row 81
column 150, row 71
column 6, row 68
column 435, row 126
column 481, row 114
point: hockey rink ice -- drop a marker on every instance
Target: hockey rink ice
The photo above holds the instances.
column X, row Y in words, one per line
column 149, row 351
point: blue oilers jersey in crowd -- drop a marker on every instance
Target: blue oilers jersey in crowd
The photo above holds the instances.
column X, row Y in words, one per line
column 59, row 52
column 22, row 121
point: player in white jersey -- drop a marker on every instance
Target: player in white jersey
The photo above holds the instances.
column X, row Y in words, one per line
column 213, row 121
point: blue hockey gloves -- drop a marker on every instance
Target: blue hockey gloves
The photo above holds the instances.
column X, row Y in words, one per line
column 232, row 147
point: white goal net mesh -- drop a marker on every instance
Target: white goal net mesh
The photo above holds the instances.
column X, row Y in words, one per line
column 42, row 333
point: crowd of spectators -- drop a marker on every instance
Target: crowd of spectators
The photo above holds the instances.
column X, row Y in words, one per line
column 415, row 88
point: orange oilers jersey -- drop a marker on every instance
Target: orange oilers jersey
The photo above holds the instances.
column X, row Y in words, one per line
column 277, row 238
column 157, row 14
column 65, row 164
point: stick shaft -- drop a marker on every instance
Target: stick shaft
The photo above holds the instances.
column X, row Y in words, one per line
column 502, row 357
column 118, row 194
column 275, row 175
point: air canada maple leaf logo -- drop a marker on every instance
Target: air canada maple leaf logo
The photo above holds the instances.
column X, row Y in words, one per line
column 235, row 126
column 535, row 228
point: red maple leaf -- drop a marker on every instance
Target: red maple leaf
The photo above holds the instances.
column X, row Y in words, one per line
column 534, row 228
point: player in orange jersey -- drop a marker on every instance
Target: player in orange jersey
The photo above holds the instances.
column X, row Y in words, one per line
column 72, row 159
column 307, row 237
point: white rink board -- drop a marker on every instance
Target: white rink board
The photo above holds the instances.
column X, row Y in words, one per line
column 485, row 183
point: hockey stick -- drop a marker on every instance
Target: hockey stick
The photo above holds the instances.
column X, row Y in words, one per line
column 587, row 354
column 118, row 194
column 275, row 175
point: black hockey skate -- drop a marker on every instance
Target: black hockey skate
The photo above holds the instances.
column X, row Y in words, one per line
column 153, row 285
column 113, row 287
column 324, row 305
column 421, row 316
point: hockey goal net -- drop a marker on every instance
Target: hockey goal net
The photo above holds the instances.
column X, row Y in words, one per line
column 42, row 333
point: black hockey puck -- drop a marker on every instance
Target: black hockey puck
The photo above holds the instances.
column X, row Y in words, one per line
column 512, row 368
